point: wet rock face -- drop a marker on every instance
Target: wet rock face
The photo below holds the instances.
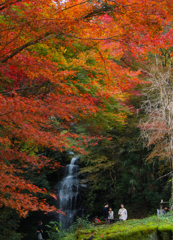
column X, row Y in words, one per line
column 74, row 188
column 83, row 186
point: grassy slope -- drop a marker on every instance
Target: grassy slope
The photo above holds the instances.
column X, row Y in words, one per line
column 152, row 228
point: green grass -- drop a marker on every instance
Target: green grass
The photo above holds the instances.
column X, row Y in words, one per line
column 152, row 228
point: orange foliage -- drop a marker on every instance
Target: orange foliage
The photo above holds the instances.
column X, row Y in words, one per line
column 37, row 102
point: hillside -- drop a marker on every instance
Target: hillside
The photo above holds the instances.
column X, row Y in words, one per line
column 152, row 228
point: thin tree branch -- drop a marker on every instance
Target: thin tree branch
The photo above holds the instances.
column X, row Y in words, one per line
column 165, row 175
column 19, row 49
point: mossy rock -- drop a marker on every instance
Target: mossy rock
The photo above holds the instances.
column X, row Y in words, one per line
column 135, row 233
column 165, row 228
column 83, row 237
column 152, row 228
column 141, row 232
column 166, row 231
column 153, row 236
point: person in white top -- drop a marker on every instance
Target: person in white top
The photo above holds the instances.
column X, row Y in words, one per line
column 122, row 213
column 111, row 214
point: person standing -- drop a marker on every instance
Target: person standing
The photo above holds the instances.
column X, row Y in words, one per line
column 39, row 230
column 122, row 213
column 105, row 212
column 111, row 214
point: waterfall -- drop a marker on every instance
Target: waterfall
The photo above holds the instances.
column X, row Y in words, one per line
column 67, row 193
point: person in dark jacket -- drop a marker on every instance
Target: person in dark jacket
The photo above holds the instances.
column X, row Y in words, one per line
column 165, row 210
column 105, row 212
column 39, row 230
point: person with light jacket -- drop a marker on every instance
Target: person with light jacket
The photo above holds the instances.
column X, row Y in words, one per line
column 111, row 214
column 122, row 213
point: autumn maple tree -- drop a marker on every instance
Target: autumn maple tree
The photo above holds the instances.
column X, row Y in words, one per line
column 61, row 66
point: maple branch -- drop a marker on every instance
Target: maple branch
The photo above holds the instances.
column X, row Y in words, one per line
column 31, row 149
column 30, row 89
column 7, row 113
column 104, row 62
column 98, row 11
column 121, row 3
column 12, row 40
column 127, row 64
column 95, row 39
column 75, row 5
column 5, row 5
column 81, row 38
column 19, row 49
column 48, row 35
column 106, row 8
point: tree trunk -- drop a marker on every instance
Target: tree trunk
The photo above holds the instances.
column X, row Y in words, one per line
column 113, row 181
column 171, row 208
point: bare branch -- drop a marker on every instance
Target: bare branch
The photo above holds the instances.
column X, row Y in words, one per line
column 165, row 175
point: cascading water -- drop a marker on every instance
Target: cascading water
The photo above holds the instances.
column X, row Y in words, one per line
column 67, row 193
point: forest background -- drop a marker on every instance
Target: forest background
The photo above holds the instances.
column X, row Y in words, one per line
column 94, row 77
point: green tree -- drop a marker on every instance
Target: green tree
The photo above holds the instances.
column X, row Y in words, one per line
column 118, row 172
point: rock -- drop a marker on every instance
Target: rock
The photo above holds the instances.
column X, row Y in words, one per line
column 153, row 236
column 74, row 188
